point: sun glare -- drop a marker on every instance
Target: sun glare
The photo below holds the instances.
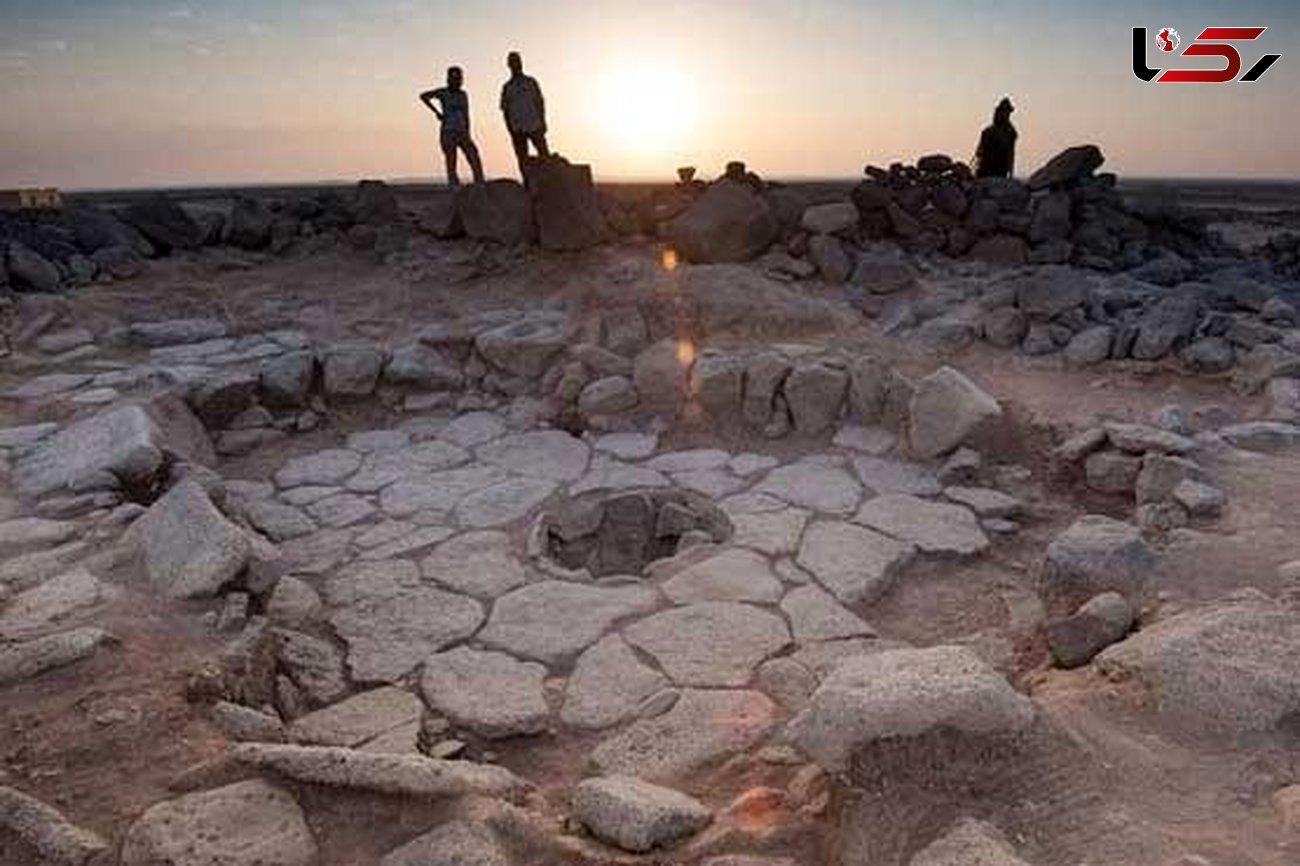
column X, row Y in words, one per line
column 646, row 108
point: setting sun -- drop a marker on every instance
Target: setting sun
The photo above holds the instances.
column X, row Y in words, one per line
column 646, row 108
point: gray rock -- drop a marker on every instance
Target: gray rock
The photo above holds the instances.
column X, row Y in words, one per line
column 384, row 773
column 729, row 223
column 526, row 347
column 832, row 262
column 344, row 509
column 608, row 686
column 815, row 393
column 245, row 724
column 934, row 527
column 554, row 620
column 701, row 728
column 717, row 384
column 1070, row 165
column 855, row 563
column 25, row 659
column 124, row 444
column 882, row 475
column 1166, row 326
column 47, row 831
column 313, row 664
column 1200, row 500
column 1100, row 622
column 456, row 843
column 440, row 491
column 1140, row 439
column 27, row 534
column 422, row 366
column 608, row 396
column 660, row 376
column 905, row 693
column 635, row 815
column 1219, row 668
column 883, row 270
column 490, row 693
column 710, row 644
column 480, row 564
column 813, row 485
column 175, row 332
column 1004, row 327
column 54, row 602
column 357, row 719
column 351, row 371
column 222, row 826
column 277, row 521
column 946, row 409
column 189, row 549
column 969, row 843
column 1261, row 435
column 29, row 270
column 775, row 533
column 1091, row 346
column 287, row 380
column 985, row 502
column 815, row 615
column 321, row 468
column 552, row 455
column 503, row 503
column 391, row 620
column 1161, row 474
column 1209, row 355
column 499, row 211
column 1112, row 471
column 730, row 575
column 1047, row 292
column 1096, row 554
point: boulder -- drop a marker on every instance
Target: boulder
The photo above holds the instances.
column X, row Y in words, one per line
column 969, row 843
column 96, row 229
column 164, row 223
column 830, row 219
column 905, row 693
column 423, row 366
column 1068, row 167
column 526, row 347
column 828, row 255
column 717, row 383
column 189, row 549
column 351, row 371
column 1166, row 327
column 729, row 223
column 499, row 211
column 608, row 396
column 124, row 445
column 1046, row 292
column 1112, row 471
column 1209, row 355
column 28, row 270
column 565, row 205
column 48, row 832
column 635, row 815
column 250, row 224
column 1161, row 474
column 946, row 408
column 815, row 393
column 219, row 398
column 1223, row 668
column 1096, row 554
column 1090, row 346
column 1100, row 622
column 246, row 824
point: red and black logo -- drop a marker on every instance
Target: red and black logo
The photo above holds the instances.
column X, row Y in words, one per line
column 1213, row 42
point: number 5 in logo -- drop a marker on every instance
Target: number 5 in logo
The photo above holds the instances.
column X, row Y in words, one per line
column 1202, row 49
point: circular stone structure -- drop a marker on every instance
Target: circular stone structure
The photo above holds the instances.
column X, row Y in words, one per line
column 622, row 532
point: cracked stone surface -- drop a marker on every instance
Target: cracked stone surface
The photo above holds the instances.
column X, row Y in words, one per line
column 730, row 575
column 934, row 527
column 490, row 693
column 555, row 620
column 551, row 455
column 480, row 564
column 814, row 485
column 608, row 686
column 506, row 502
column 323, row 467
column 815, row 615
column 711, row 643
column 775, row 533
column 855, row 563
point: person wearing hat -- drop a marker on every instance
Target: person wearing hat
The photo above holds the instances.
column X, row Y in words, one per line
column 996, row 154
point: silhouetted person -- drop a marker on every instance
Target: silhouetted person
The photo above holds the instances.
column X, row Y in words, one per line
column 454, row 117
column 996, row 154
column 525, row 111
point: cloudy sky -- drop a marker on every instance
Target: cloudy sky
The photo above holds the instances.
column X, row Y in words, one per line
column 105, row 93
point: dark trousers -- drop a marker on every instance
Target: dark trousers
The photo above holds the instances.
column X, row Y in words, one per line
column 453, row 141
column 520, row 141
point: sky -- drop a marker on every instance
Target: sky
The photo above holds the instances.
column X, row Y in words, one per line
column 124, row 93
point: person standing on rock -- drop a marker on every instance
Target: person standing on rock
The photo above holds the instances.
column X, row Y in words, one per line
column 524, row 110
column 454, row 118
column 996, row 154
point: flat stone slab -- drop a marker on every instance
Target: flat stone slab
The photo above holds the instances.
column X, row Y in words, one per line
column 813, row 485
column 382, row 468
column 628, row 446
column 52, row 603
column 490, row 693
column 26, row 659
column 714, row 483
column 551, row 455
column 345, row 509
column 934, row 527
column 986, row 502
column 775, row 533
column 245, row 823
column 503, row 503
column 28, row 534
column 456, row 843
column 357, row 719
column 554, row 620
column 702, row 727
column 278, row 521
column 391, row 620
column 690, row 461
column 473, row 428
column 437, row 491
column 710, row 644
column 323, row 467
column 882, row 475
column 613, row 475
column 905, row 693
column 733, row 574
column 416, row 540
column 481, row 564
column 815, row 615
column 855, row 563
column 608, row 686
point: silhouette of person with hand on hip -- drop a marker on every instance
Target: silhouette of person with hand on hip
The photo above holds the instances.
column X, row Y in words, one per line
column 454, row 118
column 996, row 154
column 524, row 110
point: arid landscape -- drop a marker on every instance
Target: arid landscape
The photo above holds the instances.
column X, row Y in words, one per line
column 912, row 521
